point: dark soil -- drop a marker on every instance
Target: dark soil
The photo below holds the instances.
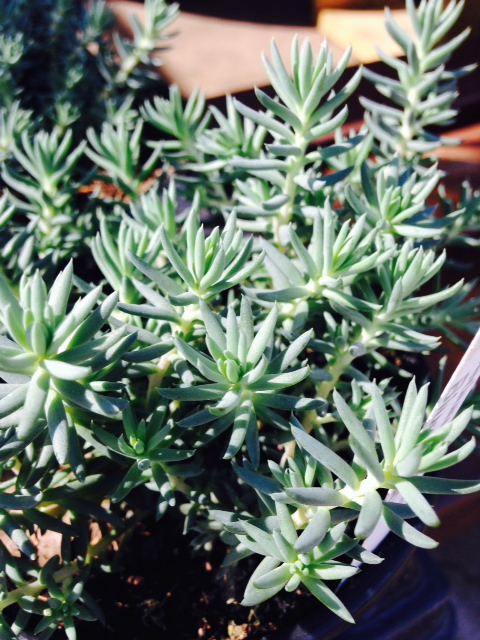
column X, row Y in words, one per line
column 163, row 591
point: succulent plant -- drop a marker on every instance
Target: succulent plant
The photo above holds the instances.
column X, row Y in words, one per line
column 248, row 294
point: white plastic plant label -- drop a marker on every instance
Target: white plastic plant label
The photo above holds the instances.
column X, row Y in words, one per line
column 457, row 389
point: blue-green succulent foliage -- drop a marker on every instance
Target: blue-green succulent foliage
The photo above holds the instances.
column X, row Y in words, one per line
column 214, row 314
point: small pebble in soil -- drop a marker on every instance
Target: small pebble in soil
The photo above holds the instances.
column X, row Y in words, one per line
column 238, row 631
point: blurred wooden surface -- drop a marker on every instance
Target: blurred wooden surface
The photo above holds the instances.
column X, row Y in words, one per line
column 221, row 56
column 461, row 162
column 224, row 56
column 353, row 5
column 364, row 30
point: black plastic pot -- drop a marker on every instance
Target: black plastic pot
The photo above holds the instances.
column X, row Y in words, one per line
column 404, row 598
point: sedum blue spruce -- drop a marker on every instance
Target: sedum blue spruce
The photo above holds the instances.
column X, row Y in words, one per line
column 59, row 360
column 230, row 346
column 244, row 375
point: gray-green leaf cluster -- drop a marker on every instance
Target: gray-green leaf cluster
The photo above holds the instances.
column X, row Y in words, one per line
column 216, row 316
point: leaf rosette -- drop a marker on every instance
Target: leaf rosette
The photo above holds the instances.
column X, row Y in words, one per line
column 244, row 378
column 60, row 360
